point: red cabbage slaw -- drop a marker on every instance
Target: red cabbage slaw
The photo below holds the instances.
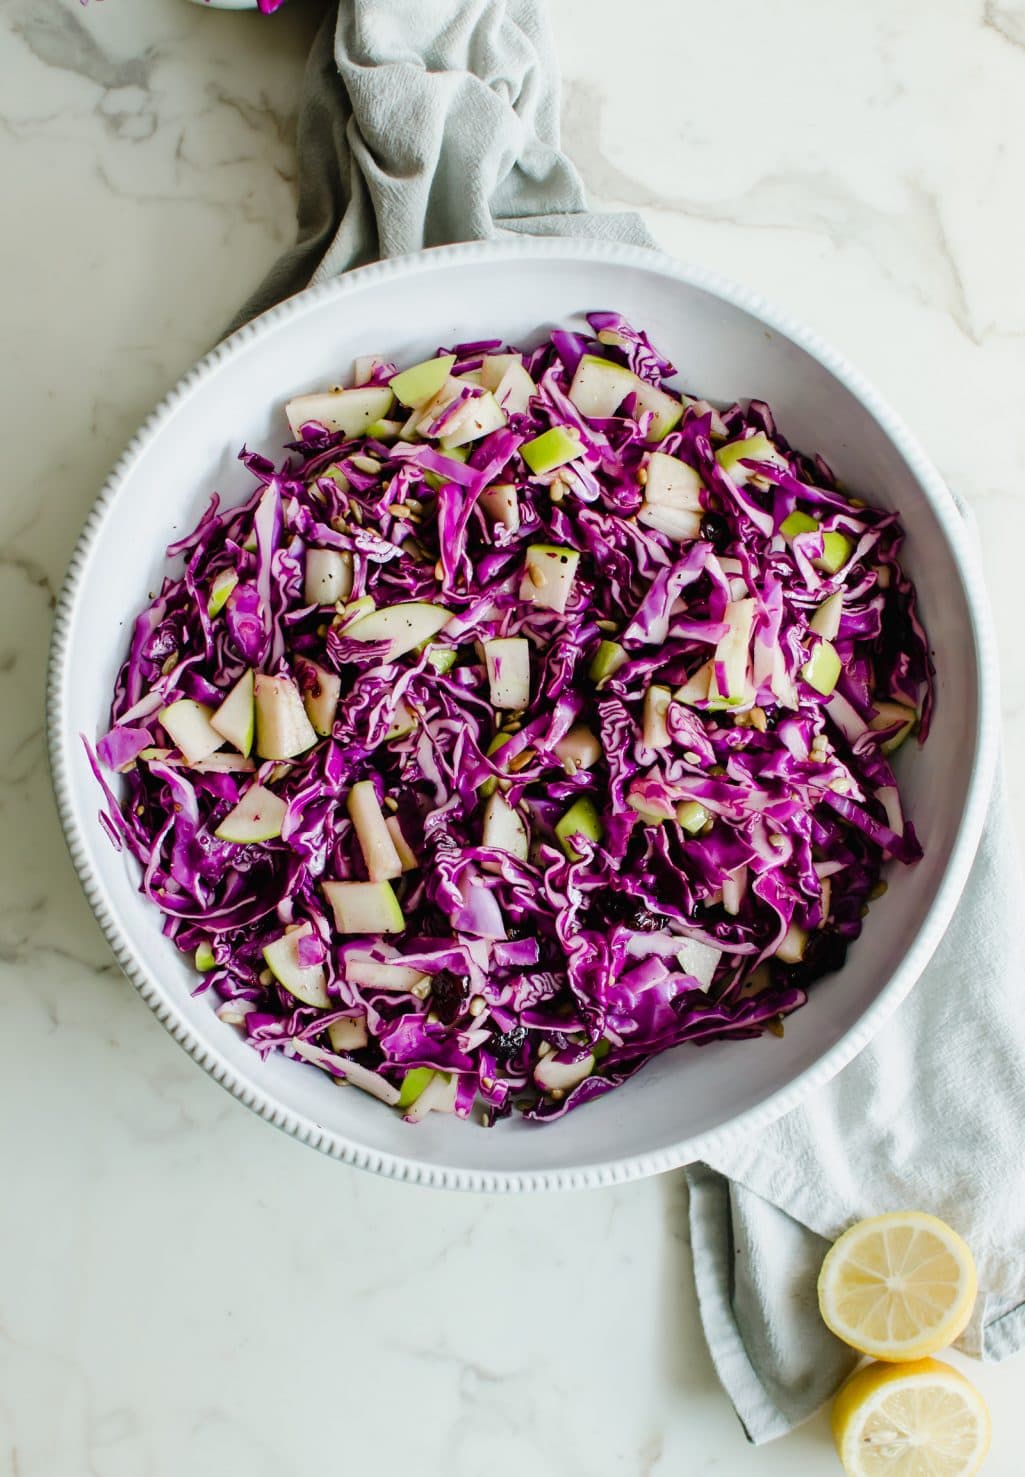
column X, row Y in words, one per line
column 533, row 717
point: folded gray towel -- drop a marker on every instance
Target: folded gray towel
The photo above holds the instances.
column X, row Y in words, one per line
column 426, row 123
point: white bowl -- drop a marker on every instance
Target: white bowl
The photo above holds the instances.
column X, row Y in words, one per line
column 728, row 344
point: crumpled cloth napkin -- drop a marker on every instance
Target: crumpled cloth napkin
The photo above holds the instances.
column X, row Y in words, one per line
column 427, row 123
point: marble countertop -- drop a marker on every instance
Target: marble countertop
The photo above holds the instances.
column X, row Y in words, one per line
column 184, row 1291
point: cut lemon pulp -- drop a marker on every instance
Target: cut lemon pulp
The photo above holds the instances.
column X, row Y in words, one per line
column 910, row 1420
column 898, row 1286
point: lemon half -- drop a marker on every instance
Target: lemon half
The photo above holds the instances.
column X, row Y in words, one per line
column 910, row 1420
column 898, row 1286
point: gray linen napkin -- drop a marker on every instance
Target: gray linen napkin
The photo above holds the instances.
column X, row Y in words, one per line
column 426, row 123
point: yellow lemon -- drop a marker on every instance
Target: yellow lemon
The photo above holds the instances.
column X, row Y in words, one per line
column 898, row 1286
column 910, row 1420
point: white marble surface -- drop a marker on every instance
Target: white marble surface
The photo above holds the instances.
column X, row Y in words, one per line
column 182, row 1290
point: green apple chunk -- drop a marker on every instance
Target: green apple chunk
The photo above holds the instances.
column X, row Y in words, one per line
column 494, row 367
column 377, row 974
column 442, row 658
column 666, row 411
column 487, row 787
column 365, row 366
column 548, row 576
column 439, row 1096
column 822, row 669
column 403, row 722
column 413, row 1084
column 886, row 715
column 421, row 382
column 826, row 620
column 349, row 1033
column 205, row 960
column 188, row 724
column 364, row 907
column 328, row 576
column 655, row 733
column 258, row 816
column 504, row 829
column 501, row 505
column 220, row 589
column 607, row 660
column 379, row 854
column 579, row 749
column 551, row 1075
column 580, row 820
column 407, row 856
column 672, row 483
column 699, row 960
column 696, row 688
column 599, row 387
column 225, row 764
column 514, row 390
column 347, row 411
column 403, row 626
column 481, row 415
column 552, row 449
column 282, row 727
column 508, row 664
column 307, row 983
column 796, row 523
column 385, row 431
column 791, row 950
column 836, row 550
column 692, row 816
column 757, row 448
column 235, row 719
column 321, row 699
column 732, row 651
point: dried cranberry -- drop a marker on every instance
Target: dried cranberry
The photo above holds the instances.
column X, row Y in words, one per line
column 448, row 995
column 625, row 908
column 715, row 530
column 506, row 1046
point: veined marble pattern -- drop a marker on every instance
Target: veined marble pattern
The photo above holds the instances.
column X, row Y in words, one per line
column 183, row 1291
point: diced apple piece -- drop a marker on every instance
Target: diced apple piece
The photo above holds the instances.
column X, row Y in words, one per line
column 282, row 727
column 757, row 448
column 364, row 907
column 413, row 1084
column 328, row 576
column 188, row 724
column 307, row 983
column 403, row 722
column 652, row 809
column 672, row 483
column 553, row 448
column 552, row 1075
column 487, row 786
column 692, row 816
column 580, row 820
column 258, row 816
column 376, row 974
column 385, row 431
column 699, row 960
column 482, row 415
column 379, row 854
column 205, row 959
column 439, row 1096
column 501, row 504
column 888, row 714
column 732, row 652
column 791, row 950
column 836, row 550
column 515, row 390
column 696, row 688
column 504, row 829
column 508, row 665
column 796, row 523
column 666, row 410
column 403, row 626
column 365, row 367
column 235, row 719
column 224, row 764
column 607, row 660
column 599, row 387
column 421, row 382
column 349, row 1033
column 494, row 367
column 654, row 732
column 220, row 590
column 407, row 856
column 826, row 620
column 442, row 658
column 673, row 522
column 579, row 748
column 321, row 699
column 347, row 411
column 822, row 669
column 548, row 576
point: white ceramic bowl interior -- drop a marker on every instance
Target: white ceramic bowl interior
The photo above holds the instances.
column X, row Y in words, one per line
column 727, row 345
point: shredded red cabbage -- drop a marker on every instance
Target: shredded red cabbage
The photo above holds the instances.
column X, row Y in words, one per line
column 591, row 687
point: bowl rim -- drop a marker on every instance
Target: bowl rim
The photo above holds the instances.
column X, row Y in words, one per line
column 953, row 524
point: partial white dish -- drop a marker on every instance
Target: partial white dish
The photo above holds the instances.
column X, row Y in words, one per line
column 728, row 345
